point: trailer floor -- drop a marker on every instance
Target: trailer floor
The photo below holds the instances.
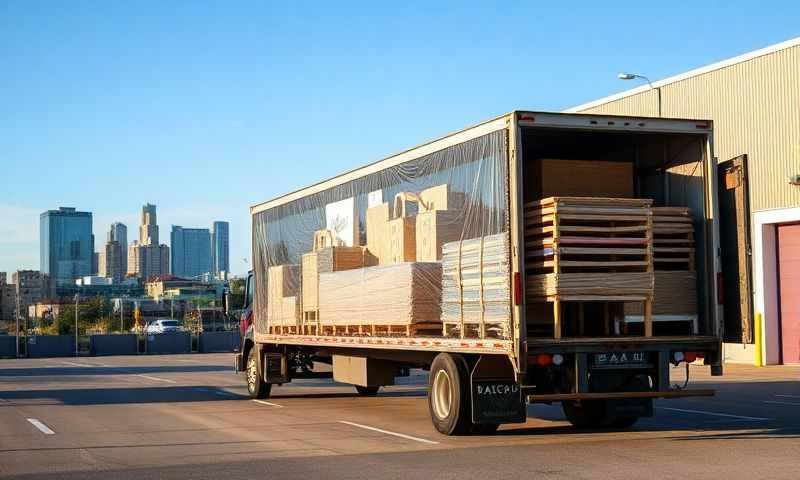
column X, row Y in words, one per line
column 187, row 416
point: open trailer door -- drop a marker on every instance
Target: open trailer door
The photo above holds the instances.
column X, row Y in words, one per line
column 734, row 212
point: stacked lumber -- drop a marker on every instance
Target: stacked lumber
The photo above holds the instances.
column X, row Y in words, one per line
column 405, row 295
column 673, row 238
column 329, row 259
column 283, row 304
column 476, row 297
column 582, row 249
column 675, row 295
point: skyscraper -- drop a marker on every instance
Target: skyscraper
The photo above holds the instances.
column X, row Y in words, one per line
column 119, row 233
column 191, row 251
column 146, row 257
column 148, row 230
column 220, row 248
column 66, row 244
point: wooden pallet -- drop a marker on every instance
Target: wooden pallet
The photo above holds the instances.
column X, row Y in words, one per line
column 673, row 239
column 581, row 249
column 378, row 330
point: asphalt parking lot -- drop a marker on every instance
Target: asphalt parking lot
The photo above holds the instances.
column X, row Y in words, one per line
column 188, row 416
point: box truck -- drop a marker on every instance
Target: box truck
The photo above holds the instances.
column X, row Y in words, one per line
column 535, row 257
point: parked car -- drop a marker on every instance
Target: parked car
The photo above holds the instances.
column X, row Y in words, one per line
column 167, row 325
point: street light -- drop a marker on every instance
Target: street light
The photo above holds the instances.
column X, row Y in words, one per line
column 77, row 297
column 633, row 76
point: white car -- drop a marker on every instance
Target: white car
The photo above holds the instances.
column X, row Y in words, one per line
column 163, row 326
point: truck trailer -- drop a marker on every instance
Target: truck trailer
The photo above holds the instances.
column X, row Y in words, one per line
column 535, row 257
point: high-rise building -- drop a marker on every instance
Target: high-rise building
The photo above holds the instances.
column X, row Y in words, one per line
column 66, row 244
column 112, row 263
column 220, row 248
column 148, row 261
column 146, row 257
column 191, row 251
column 119, row 233
column 148, row 230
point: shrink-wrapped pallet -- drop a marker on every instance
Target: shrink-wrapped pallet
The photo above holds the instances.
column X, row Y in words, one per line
column 330, row 259
column 402, row 240
column 282, row 281
column 476, row 286
column 393, row 295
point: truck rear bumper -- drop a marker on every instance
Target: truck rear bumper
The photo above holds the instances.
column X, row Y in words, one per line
column 560, row 397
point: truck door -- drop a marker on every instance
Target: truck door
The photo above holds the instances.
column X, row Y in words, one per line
column 734, row 225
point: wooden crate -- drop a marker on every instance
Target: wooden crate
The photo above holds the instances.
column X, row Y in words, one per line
column 378, row 239
column 435, row 228
column 581, row 249
column 395, row 295
column 579, row 178
column 402, row 240
column 673, row 239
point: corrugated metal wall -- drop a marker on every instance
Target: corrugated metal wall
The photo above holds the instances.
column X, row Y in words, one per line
column 755, row 106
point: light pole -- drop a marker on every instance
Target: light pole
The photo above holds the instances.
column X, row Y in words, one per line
column 77, row 297
column 632, row 76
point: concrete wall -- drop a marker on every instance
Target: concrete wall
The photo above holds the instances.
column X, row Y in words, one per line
column 8, row 347
column 124, row 344
column 211, row 342
column 179, row 342
column 51, row 346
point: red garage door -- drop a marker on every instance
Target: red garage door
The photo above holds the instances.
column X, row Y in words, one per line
column 789, row 277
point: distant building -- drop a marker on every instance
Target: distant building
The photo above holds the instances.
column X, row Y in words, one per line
column 8, row 301
column 191, row 251
column 30, row 286
column 66, row 244
column 146, row 257
column 220, row 249
column 148, row 230
column 146, row 261
column 182, row 289
column 119, row 233
column 3, row 278
column 95, row 260
column 49, row 309
column 112, row 261
column 92, row 281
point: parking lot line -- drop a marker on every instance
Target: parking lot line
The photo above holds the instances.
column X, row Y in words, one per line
column 387, row 432
column 75, row 364
column 262, row 402
column 155, row 378
column 713, row 414
column 41, row 426
column 775, row 402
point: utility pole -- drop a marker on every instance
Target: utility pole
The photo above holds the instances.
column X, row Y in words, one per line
column 77, row 297
column 16, row 310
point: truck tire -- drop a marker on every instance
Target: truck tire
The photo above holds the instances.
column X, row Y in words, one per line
column 448, row 395
column 367, row 391
column 586, row 414
column 256, row 386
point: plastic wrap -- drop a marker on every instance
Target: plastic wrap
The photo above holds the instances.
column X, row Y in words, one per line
column 402, row 220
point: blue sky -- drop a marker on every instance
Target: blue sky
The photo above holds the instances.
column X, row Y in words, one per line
column 204, row 108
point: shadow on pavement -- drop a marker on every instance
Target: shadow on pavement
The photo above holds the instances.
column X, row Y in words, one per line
column 131, row 370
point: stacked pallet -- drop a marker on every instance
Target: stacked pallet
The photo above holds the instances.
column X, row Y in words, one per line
column 476, row 297
column 587, row 249
column 675, row 295
column 329, row 259
column 403, row 298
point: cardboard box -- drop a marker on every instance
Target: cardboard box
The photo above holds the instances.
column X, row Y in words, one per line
column 282, row 281
column 434, row 228
column 378, row 242
column 402, row 240
column 579, row 178
column 441, row 198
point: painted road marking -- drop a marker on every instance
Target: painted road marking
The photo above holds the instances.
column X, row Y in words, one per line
column 155, row 378
column 714, row 414
column 262, row 402
column 787, row 396
column 782, row 403
column 41, row 426
column 74, row 364
column 387, row 432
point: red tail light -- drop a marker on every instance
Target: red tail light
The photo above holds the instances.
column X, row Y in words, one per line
column 689, row 356
column 544, row 359
column 517, row 289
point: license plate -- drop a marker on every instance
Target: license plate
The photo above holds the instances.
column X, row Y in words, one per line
column 620, row 359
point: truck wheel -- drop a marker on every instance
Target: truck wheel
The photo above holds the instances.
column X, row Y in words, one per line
column 367, row 391
column 586, row 414
column 256, row 386
column 448, row 395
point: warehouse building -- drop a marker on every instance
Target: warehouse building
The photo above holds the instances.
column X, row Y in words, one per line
column 754, row 102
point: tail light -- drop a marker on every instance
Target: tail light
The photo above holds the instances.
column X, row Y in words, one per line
column 544, row 359
column 689, row 356
column 517, row 289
